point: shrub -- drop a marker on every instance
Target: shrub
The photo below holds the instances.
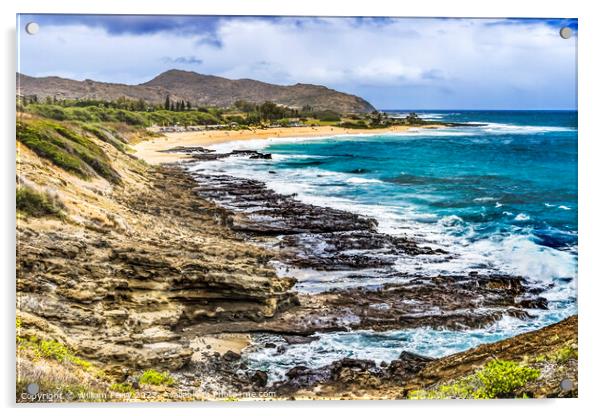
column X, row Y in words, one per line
column 54, row 112
column 357, row 125
column 566, row 353
column 156, row 378
column 47, row 348
column 122, row 388
column 560, row 356
column 38, row 204
column 327, row 115
column 498, row 379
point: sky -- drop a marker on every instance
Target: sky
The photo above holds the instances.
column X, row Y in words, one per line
column 394, row 63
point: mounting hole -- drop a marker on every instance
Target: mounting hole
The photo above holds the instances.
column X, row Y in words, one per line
column 32, row 28
column 566, row 384
column 33, row 389
column 566, row 32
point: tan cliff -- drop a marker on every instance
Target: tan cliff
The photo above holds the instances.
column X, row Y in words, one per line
column 126, row 267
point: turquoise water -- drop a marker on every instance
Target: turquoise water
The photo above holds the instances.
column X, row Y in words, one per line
column 519, row 177
column 501, row 196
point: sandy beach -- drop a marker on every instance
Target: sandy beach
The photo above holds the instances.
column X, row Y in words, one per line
column 152, row 151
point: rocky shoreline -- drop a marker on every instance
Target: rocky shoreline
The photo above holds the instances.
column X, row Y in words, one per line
column 163, row 263
column 329, row 240
column 325, row 240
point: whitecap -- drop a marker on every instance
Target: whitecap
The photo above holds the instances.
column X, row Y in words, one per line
column 484, row 199
column 356, row 180
column 497, row 128
column 522, row 217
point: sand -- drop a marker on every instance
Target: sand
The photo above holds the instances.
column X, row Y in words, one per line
column 221, row 343
column 151, row 150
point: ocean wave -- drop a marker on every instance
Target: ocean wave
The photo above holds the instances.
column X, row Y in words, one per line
column 522, row 129
column 356, row 180
column 522, row 217
column 514, row 254
column 384, row 346
column 518, row 254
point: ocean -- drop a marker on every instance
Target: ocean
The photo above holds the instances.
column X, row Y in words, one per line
column 500, row 194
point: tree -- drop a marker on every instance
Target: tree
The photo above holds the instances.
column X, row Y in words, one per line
column 167, row 103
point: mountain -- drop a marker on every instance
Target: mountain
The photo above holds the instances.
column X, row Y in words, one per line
column 200, row 90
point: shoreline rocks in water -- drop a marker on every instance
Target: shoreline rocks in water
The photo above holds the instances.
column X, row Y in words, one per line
column 441, row 302
column 326, row 240
column 551, row 349
column 352, row 378
column 202, row 153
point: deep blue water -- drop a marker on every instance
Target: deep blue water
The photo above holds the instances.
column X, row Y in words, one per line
column 501, row 196
column 517, row 175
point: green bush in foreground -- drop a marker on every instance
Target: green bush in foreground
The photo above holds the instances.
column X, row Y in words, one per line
column 156, row 378
column 498, row 379
column 38, row 204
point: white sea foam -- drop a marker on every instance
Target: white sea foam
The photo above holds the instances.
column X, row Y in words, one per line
column 355, row 180
column 520, row 129
column 516, row 254
column 385, row 346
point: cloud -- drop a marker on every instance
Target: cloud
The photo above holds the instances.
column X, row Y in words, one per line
column 392, row 62
column 184, row 60
column 132, row 24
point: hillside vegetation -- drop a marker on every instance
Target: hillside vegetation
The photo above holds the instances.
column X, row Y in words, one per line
column 241, row 115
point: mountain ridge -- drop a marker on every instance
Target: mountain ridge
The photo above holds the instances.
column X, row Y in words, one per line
column 199, row 89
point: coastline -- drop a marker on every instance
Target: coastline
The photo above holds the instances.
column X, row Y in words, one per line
column 153, row 151
column 206, row 311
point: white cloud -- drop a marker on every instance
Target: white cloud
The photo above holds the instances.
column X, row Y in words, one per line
column 437, row 62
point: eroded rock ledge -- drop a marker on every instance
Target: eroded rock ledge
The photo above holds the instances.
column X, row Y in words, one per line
column 120, row 292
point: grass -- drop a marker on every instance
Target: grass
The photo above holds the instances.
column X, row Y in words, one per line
column 57, row 370
column 106, row 135
column 560, row 356
column 156, row 378
column 51, row 349
column 66, row 147
column 498, row 379
column 125, row 388
column 98, row 114
column 38, row 204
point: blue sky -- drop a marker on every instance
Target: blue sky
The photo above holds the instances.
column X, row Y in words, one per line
column 395, row 63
